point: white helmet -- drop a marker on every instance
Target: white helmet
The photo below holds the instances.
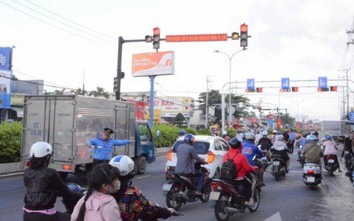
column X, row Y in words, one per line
column 224, row 132
column 124, row 163
column 264, row 133
column 279, row 137
column 41, row 149
column 249, row 136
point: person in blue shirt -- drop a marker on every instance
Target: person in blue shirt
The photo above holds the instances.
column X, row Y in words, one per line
column 302, row 142
column 249, row 149
column 104, row 145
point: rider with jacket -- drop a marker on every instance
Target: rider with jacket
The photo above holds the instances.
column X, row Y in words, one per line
column 186, row 155
column 312, row 151
column 249, row 149
column 132, row 204
column 243, row 168
column 279, row 147
column 330, row 148
column 43, row 186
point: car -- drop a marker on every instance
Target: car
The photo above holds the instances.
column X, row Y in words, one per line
column 211, row 148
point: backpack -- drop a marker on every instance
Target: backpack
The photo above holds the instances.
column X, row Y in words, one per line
column 228, row 169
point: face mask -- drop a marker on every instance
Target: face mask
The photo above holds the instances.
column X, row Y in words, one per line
column 115, row 186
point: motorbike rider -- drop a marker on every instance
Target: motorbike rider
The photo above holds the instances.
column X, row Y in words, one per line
column 132, row 204
column 249, row 149
column 43, row 186
column 243, row 168
column 98, row 204
column 186, row 155
column 181, row 133
column 330, row 148
column 347, row 146
column 279, row 147
column 302, row 142
column 312, row 151
column 265, row 143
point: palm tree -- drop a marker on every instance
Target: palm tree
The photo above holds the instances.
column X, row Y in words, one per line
column 99, row 93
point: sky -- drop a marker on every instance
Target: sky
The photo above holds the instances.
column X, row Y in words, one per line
column 69, row 43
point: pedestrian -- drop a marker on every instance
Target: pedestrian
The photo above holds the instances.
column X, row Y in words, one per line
column 104, row 145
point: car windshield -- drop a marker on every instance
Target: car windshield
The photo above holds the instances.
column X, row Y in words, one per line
column 199, row 146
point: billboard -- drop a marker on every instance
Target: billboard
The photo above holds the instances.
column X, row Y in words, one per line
column 171, row 106
column 153, row 64
column 5, row 77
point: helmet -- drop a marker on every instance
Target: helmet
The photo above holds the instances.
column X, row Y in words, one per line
column 279, row 137
column 189, row 138
column 249, row 136
column 312, row 138
column 124, row 163
column 264, row 133
column 181, row 132
column 235, row 143
column 224, row 132
column 329, row 137
column 41, row 149
column 275, row 131
column 304, row 134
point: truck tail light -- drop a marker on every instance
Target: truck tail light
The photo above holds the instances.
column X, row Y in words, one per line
column 67, row 167
column 169, row 155
column 211, row 157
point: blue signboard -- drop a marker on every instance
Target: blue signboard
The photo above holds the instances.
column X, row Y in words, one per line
column 5, row 59
column 250, row 84
column 322, row 82
column 285, row 83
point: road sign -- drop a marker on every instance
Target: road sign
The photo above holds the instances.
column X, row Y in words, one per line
column 285, row 83
column 250, row 84
column 322, row 82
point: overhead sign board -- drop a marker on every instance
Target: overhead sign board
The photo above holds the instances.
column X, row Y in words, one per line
column 285, row 83
column 250, row 84
column 202, row 37
column 153, row 64
column 322, row 82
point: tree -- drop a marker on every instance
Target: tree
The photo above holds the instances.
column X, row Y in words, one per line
column 80, row 91
column 180, row 120
column 99, row 93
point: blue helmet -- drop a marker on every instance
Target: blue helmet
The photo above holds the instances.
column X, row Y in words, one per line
column 312, row 138
column 329, row 137
column 181, row 132
column 189, row 138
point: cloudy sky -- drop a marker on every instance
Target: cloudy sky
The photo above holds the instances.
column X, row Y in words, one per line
column 69, row 42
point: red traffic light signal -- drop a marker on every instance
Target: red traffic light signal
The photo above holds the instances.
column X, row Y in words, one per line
column 243, row 35
column 156, row 38
column 295, row 89
column 259, row 89
column 333, row 88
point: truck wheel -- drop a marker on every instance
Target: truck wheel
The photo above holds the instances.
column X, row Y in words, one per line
column 142, row 164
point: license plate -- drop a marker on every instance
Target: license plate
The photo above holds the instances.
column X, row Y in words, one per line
column 214, row 195
column 310, row 179
column 331, row 161
column 166, row 187
column 276, row 163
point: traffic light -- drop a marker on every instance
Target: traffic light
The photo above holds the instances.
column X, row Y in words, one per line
column 320, row 89
column 333, row 88
column 235, row 36
column 249, row 91
column 244, row 35
column 148, row 38
column 259, row 89
column 156, row 38
column 295, row 89
column 284, row 90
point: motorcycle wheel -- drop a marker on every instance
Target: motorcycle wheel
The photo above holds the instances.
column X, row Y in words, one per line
column 330, row 170
column 219, row 209
column 256, row 200
column 173, row 200
column 277, row 177
column 206, row 193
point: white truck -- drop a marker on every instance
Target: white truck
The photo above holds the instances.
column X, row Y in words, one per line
column 67, row 122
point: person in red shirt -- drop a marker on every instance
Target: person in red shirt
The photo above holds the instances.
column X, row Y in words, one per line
column 243, row 168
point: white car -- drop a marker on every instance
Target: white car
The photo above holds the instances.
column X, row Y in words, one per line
column 211, row 148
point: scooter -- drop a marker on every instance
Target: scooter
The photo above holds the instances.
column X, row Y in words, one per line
column 301, row 157
column 181, row 189
column 227, row 200
column 312, row 175
column 278, row 167
column 349, row 160
column 330, row 163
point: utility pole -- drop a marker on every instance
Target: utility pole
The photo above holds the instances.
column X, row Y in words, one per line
column 207, row 103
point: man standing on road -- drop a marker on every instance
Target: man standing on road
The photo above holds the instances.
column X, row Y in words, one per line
column 104, row 146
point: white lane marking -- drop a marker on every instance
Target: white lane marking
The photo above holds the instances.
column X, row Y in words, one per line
column 275, row 217
column 142, row 177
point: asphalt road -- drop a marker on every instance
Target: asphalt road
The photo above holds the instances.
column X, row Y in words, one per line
column 286, row 200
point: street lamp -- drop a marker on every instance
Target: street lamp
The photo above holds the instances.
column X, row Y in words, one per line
column 230, row 59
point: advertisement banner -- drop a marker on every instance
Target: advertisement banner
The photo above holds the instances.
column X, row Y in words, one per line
column 5, row 58
column 153, row 64
column 5, row 77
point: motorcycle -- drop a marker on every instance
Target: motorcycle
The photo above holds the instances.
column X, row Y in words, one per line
column 227, row 200
column 301, row 157
column 312, row 175
column 330, row 163
column 348, row 159
column 70, row 204
column 278, row 167
column 181, row 189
